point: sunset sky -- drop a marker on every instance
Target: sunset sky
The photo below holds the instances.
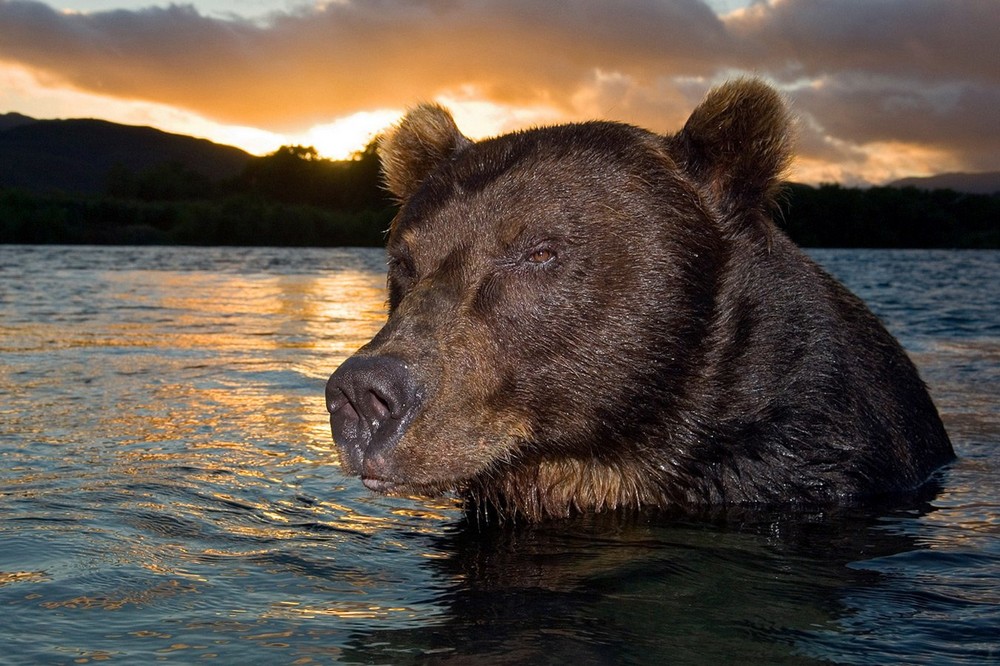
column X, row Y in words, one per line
column 882, row 88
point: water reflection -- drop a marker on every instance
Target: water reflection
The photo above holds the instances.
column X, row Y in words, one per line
column 179, row 415
column 613, row 590
column 170, row 490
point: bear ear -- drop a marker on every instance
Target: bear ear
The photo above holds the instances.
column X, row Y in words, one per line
column 410, row 151
column 738, row 143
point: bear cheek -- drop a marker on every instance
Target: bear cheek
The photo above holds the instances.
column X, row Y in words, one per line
column 468, row 424
column 441, row 451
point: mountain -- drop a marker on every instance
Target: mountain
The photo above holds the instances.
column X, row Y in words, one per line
column 8, row 120
column 970, row 183
column 78, row 155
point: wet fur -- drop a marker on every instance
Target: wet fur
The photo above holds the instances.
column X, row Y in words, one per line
column 682, row 352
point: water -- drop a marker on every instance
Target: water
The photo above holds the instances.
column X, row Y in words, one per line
column 169, row 491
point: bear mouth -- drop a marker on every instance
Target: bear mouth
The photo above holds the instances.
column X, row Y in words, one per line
column 402, row 488
column 382, row 486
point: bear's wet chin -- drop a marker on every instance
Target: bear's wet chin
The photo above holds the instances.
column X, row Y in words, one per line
column 379, row 485
column 399, row 488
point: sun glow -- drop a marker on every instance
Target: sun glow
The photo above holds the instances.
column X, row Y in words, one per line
column 32, row 94
column 41, row 97
column 479, row 118
column 345, row 136
column 876, row 162
column 35, row 95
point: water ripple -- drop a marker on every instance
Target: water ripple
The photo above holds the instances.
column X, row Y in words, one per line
column 170, row 491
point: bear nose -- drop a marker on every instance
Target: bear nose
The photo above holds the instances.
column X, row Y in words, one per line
column 371, row 400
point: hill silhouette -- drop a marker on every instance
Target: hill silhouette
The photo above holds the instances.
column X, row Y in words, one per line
column 970, row 183
column 8, row 120
column 95, row 182
column 78, row 156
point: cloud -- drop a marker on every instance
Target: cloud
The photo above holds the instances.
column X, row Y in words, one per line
column 924, row 40
column 309, row 65
column 957, row 117
column 884, row 88
column 920, row 75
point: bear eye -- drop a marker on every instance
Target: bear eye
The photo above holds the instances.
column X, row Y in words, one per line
column 400, row 278
column 541, row 256
column 402, row 266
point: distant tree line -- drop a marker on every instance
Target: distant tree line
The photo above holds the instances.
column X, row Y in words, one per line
column 836, row 216
column 293, row 197
column 293, row 175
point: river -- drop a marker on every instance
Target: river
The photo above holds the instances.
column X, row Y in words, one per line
column 169, row 491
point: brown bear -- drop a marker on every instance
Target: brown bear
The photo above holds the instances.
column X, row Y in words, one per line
column 592, row 316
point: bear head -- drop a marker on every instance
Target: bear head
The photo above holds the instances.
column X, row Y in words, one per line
column 549, row 297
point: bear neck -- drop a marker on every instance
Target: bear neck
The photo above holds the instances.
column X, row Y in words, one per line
column 537, row 488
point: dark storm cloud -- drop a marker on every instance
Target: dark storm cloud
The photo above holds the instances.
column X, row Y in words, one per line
column 919, row 72
column 925, row 40
column 951, row 116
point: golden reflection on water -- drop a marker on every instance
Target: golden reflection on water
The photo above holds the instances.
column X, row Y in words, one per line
column 330, row 315
column 195, row 413
column 322, row 320
column 23, row 577
column 114, row 602
column 347, row 610
column 263, row 324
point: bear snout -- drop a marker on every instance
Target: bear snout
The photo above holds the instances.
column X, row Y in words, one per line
column 371, row 400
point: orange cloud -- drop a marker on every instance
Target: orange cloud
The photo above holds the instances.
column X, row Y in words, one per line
column 919, row 73
column 303, row 68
